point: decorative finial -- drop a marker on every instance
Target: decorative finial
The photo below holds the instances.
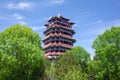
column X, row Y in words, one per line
column 59, row 15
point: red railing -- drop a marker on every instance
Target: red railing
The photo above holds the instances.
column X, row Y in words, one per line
column 58, row 44
column 53, row 53
column 58, row 34
column 58, row 25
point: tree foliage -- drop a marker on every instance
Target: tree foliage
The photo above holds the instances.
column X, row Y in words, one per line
column 49, row 72
column 107, row 58
column 69, row 66
column 21, row 57
column 81, row 55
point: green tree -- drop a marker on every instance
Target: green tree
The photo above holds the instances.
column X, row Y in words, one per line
column 75, row 74
column 69, row 66
column 81, row 55
column 64, row 64
column 107, row 55
column 21, row 56
column 49, row 72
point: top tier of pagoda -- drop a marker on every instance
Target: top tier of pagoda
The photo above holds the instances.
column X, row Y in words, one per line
column 58, row 36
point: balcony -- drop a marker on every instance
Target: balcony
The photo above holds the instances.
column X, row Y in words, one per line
column 58, row 34
column 58, row 44
column 58, row 25
column 53, row 53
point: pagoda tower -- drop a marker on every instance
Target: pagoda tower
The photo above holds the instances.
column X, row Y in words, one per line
column 58, row 36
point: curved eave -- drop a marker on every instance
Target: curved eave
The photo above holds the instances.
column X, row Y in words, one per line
column 71, row 23
column 46, row 25
column 47, row 30
column 64, row 18
column 59, row 36
column 73, row 31
column 59, row 27
column 56, row 46
column 74, row 40
column 51, row 18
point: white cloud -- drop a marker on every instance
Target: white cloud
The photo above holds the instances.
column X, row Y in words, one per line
column 95, row 22
column 17, row 16
column 22, row 22
column 49, row 3
column 107, row 25
column 57, row 1
column 38, row 28
column 20, row 5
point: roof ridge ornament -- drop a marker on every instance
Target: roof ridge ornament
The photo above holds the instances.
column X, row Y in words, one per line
column 59, row 15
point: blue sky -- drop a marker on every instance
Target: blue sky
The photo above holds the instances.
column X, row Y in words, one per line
column 92, row 17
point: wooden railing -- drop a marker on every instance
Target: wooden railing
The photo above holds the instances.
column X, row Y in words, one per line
column 58, row 34
column 58, row 25
column 58, row 44
column 53, row 53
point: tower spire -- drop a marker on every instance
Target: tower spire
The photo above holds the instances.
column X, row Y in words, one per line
column 59, row 15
